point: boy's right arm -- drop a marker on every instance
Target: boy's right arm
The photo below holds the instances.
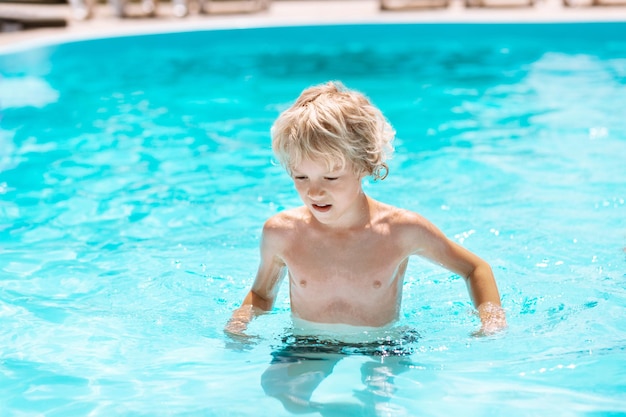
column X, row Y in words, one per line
column 263, row 293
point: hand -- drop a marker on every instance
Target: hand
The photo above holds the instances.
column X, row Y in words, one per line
column 493, row 319
column 237, row 339
column 238, row 325
column 236, row 329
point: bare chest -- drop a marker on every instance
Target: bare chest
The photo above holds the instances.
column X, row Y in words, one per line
column 350, row 281
column 359, row 266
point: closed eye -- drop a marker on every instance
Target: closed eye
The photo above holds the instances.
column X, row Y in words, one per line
column 331, row 178
column 299, row 177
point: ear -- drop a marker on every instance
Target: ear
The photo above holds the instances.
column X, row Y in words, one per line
column 380, row 172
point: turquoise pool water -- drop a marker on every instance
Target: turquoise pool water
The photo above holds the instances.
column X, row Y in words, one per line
column 136, row 172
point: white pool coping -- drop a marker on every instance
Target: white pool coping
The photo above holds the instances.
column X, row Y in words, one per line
column 295, row 12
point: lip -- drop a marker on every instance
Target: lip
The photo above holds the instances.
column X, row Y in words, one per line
column 322, row 208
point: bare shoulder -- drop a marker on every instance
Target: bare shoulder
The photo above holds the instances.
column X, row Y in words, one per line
column 406, row 225
column 399, row 217
column 282, row 227
column 284, row 222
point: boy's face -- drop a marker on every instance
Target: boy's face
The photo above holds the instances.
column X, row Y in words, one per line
column 329, row 194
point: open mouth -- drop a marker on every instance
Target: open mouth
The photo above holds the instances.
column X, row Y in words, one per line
column 323, row 208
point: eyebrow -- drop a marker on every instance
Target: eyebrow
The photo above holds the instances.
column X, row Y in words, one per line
column 333, row 173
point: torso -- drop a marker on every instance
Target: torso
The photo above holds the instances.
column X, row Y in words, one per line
column 352, row 277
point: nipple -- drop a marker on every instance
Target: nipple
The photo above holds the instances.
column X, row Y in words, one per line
column 377, row 284
column 303, row 283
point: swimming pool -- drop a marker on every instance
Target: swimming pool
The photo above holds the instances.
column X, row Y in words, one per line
column 136, row 172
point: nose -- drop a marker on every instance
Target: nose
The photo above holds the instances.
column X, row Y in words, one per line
column 315, row 191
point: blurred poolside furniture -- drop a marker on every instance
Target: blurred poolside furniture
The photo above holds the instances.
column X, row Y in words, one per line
column 148, row 7
column 590, row 3
column 84, row 9
column 413, row 4
column 180, row 8
column 15, row 16
column 499, row 3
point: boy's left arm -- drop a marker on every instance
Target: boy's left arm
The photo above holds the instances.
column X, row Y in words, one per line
column 481, row 284
column 483, row 290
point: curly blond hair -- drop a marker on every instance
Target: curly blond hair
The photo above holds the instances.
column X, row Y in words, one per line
column 336, row 125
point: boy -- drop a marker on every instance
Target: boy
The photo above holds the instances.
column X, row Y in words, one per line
column 345, row 253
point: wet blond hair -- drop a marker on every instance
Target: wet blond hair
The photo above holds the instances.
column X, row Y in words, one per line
column 333, row 124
